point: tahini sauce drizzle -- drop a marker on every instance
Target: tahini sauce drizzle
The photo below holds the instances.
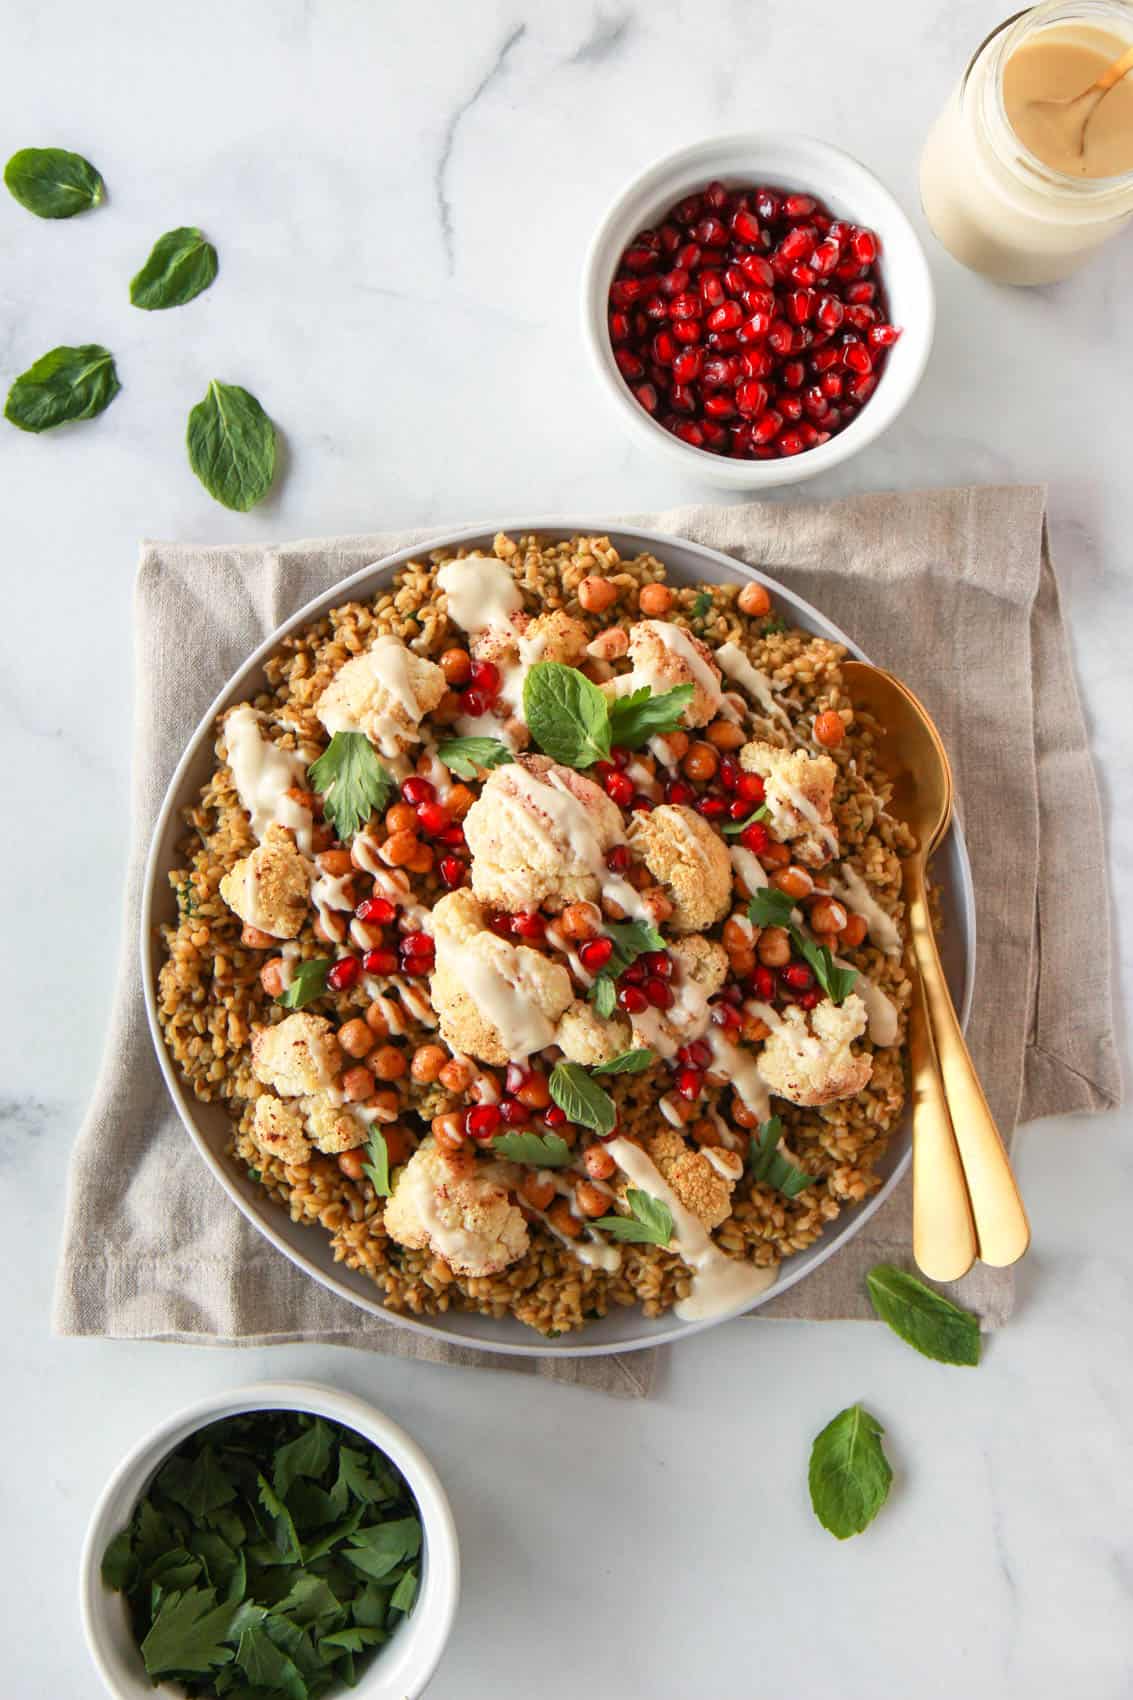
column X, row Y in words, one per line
column 262, row 774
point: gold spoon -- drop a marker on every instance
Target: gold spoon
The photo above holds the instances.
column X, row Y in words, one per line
column 955, row 1143
column 1068, row 119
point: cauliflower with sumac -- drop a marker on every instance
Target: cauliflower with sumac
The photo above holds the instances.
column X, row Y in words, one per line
column 299, row 1056
column 468, row 1221
column 810, row 1061
column 271, row 888
column 799, row 795
column 686, row 856
column 538, row 833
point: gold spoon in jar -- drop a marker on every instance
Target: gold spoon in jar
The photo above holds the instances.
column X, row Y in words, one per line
column 965, row 1200
column 1068, row 119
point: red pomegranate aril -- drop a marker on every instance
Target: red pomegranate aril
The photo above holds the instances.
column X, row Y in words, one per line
column 711, row 233
column 864, row 245
column 682, row 399
column 815, row 404
column 809, row 1000
column 647, row 396
column 554, row 1116
column 755, row 328
column 831, row 385
column 719, row 370
column 624, row 292
column 656, row 308
column 764, row 983
column 635, row 974
column 618, row 859
column 632, row 1000
column 860, row 294
column 857, row 358
column 658, row 994
column 595, row 954
column 378, row 911
column 687, row 331
column 380, row 962
column 750, row 787
column 768, row 206
column 432, row 818
column 798, row 244
column 513, row 1113
column 452, row 871
column 641, row 803
column 716, row 196
column 810, row 434
column 475, row 703
column 735, row 280
column 794, row 374
column 712, row 289
column 453, row 835
column 825, row 257
column 677, row 792
column 638, row 259
column 481, row 1121
column 751, row 397
column 516, row 1077
column 746, row 226
column 767, row 426
column 619, row 788
column 799, row 206
column 755, row 837
column 529, row 924
column 688, row 257
column 759, row 301
column 690, row 1082
column 791, row 443
column 829, row 312
column 757, row 270
column 728, row 773
column 658, row 964
column 798, row 976
column 824, row 359
column 738, row 809
column 883, row 336
column 755, row 362
column 780, row 337
column 670, row 238
column 790, row 406
column 686, row 305
column 619, row 756
column 862, row 318
column 628, row 363
column 688, row 365
column 664, row 348
column 347, row 971
column 694, row 436
column 676, row 281
column 862, row 387
column 416, row 790
column 804, row 275
column 711, row 807
column 417, row 944
column 719, row 407
column 619, row 327
column 725, row 318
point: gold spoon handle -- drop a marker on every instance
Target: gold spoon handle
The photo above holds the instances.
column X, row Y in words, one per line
column 1001, row 1224
column 944, row 1236
column 1114, row 73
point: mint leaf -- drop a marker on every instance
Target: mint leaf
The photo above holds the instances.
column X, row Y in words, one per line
column 700, row 606
column 770, row 907
column 265, row 1665
column 849, row 1473
column 736, row 826
column 188, row 1634
column 768, row 1164
column 52, row 183
column 566, row 714
column 583, row 1102
column 376, row 1170
column 231, row 444
column 629, row 1062
column 308, row 982
column 923, row 1318
column 650, row 1224
column 62, row 386
column 309, row 1454
column 631, row 940
column 545, row 1151
column 181, row 265
column 603, row 995
column 352, row 782
column 466, row 756
column 645, row 714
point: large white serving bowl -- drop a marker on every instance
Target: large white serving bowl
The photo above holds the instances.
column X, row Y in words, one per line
column 209, row 1126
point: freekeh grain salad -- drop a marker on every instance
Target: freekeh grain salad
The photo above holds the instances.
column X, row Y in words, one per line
column 539, row 926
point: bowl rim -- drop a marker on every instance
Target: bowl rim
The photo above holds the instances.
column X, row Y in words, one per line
column 425, row 1637
column 655, row 542
column 865, row 428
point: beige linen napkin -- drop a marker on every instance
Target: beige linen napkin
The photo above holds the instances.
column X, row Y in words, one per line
column 952, row 589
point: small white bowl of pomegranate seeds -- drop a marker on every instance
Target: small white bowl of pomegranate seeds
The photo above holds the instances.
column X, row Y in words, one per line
column 758, row 307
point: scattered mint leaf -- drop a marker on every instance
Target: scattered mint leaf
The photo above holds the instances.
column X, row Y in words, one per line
column 650, row 1224
column 352, row 782
column 849, row 1473
column 701, row 605
column 768, row 1164
column 631, row 940
column 267, row 1667
column 181, row 265
column 62, row 386
column 629, row 1062
column 52, row 183
column 603, row 995
column 583, row 1102
column 737, row 826
column 566, row 714
column 923, row 1318
column 308, row 982
column 837, row 982
column 231, row 444
column 645, row 714
column 467, row 756
column 188, row 1634
column 309, row 1454
column 545, row 1151
column 376, row 1170
column 770, row 907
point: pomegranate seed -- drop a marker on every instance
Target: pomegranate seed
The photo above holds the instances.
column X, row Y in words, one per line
column 379, row 962
column 718, row 371
column 618, row 859
column 794, row 374
column 799, row 206
column 624, row 292
column 688, row 257
column 791, row 443
column 809, row 434
column 725, row 318
column 675, row 282
column 732, row 994
column 710, row 233
column 735, row 280
column 554, row 1116
column 689, row 433
column 417, row 944
column 815, row 403
column 595, row 954
column 619, row 755
column 687, row 365
column 628, row 364
column 719, row 407
column 759, row 301
column 809, row 1000
column 738, row 809
column 764, row 983
column 755, row 328
column 723, row 1015
column 716, row 196
column 516, row 1077
column 670, row 238
column 861, row 388
column 689, row 1082
column 723, row 342
column 780, row 337
column 883, row 336
column 619, row 327
column 790, row 406
column 825, row 256
column 767, row 426
column 831, row 385
column 864, row 245
column 647, row 396
column 687, row 331
column 728, row 773
column 768, row 206
column 664, row 348
column 481, row 1121
column 658, row 994
column 513, row 1112
column 655, row 308
column 857, row 358
column 711, row 807
column 861, row 294
column 632, row 1000
column 638, row 259
column 746, row 227
column 800, row 305
column 755, row 362
column 861, row 317
column 529, row 925
column 635, row 974
column 677, row 791
column 432, row 818
column 416, row 790
column 711, row 286
column 346, row 972
column 452, row 871
column 658, row 964
column 379, row 911
column 755, row 837
column 824, row 359
column 642, row 804
column 751, row 397
column 798, row 244
column 686, row 306
column 756, row 268
column 798, row 976
column 619, row 788
column 474, row 703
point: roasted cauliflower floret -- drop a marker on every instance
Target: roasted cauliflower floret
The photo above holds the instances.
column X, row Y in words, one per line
column 469, row 1222
column 494, row 1000
column 298, row 1057
column 271, row 888
column 333, row 1127
column 385, row 692
column 702, row 1180
column 700, row 969
column 547, row 637
column 539, row 833
column 664, row 655
column 800, row 791
column 584, row 1037
column 690, row 860
column 278, row 1130
column 813, row 1064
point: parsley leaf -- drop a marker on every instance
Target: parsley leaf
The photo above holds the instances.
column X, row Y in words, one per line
column 645, row 714
column 467, row 756
column 849, row 1473
column 307, row 1455
column 584, row 1103
column 567, row 715
column 650, row 1224
column 629, row 1062
column 700, row 606
column 923, row 1318
column 188, row 1634
column 546, row 1151
column 603, row 995
column 773, row 625
column 376, row 1170
column 308, row 982
column 770, row 907
column 351, row 781
column 405, row 1592
column 265, row 1665
column 837, row 982
column 734, row 826
column 768, row 1164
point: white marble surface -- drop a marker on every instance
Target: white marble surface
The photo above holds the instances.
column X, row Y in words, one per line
column 401, row 197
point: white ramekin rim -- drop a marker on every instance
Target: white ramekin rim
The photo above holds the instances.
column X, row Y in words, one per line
column 402, row 1669
column 747, row 153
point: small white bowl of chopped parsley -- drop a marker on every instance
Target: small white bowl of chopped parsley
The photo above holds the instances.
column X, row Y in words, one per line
column 285, row 1540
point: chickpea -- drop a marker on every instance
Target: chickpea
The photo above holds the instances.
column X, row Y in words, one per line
column 705, row 1132
column 456, row 1075
column 389, row 1063
column 397, row 1145
column 597, row 594
column 368, row 934
column 852, row 935
column 447, row 710
column 357, row 1084
column 399, row 849
column 458, row 801
column 754, row 600
column 428, row 1061
column 775, row 856
column 795, row 881
column 639, row 876
column 421, row 861
column 355, row 1038
column 305, row 799
column 581, row 921
column 376, row 1020
column 535, row 1092
column 330, row 928
column 255, row 938
column 655, row 600
column 334, row 862
column 448, row 1130
column 701, row 762
column 741, row 1115
column 754, row 1029
column 774, row 947
column 537, row 1192
column 737, row 934
column 827, row 916
column 679, row 1107
column 401, row 818
column 657, row 904
column 675, row 746
column 456, row 665
column 322, row 837
column 351, row 1163
column 563, row 1219
column 591, row 1200
column 829, row 729
column 598, row 1163
column 725, row 735
column 384, row 1104
column 609, row 645
column 271, row 976
column 742, row 963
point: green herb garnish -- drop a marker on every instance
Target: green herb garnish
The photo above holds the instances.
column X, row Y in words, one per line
column 352, row 782
column 545, row 1151
column 631, row 939
column 308, row 982
column 849, row 1473
column 770, row 907
column 181, row 265
column 376, row 1170
column 53, row 183
column 645, row 714
column 701, row 605
column 924, row 1319
column 575, row 723
column 465, row 756
column 768, row 1164
column 629, row 1062
column 231, row 444
column 775, row 624
column 650, row 1224
column 737, row 826
column 603, row 995
column 63, row 385
column 584, row 1103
